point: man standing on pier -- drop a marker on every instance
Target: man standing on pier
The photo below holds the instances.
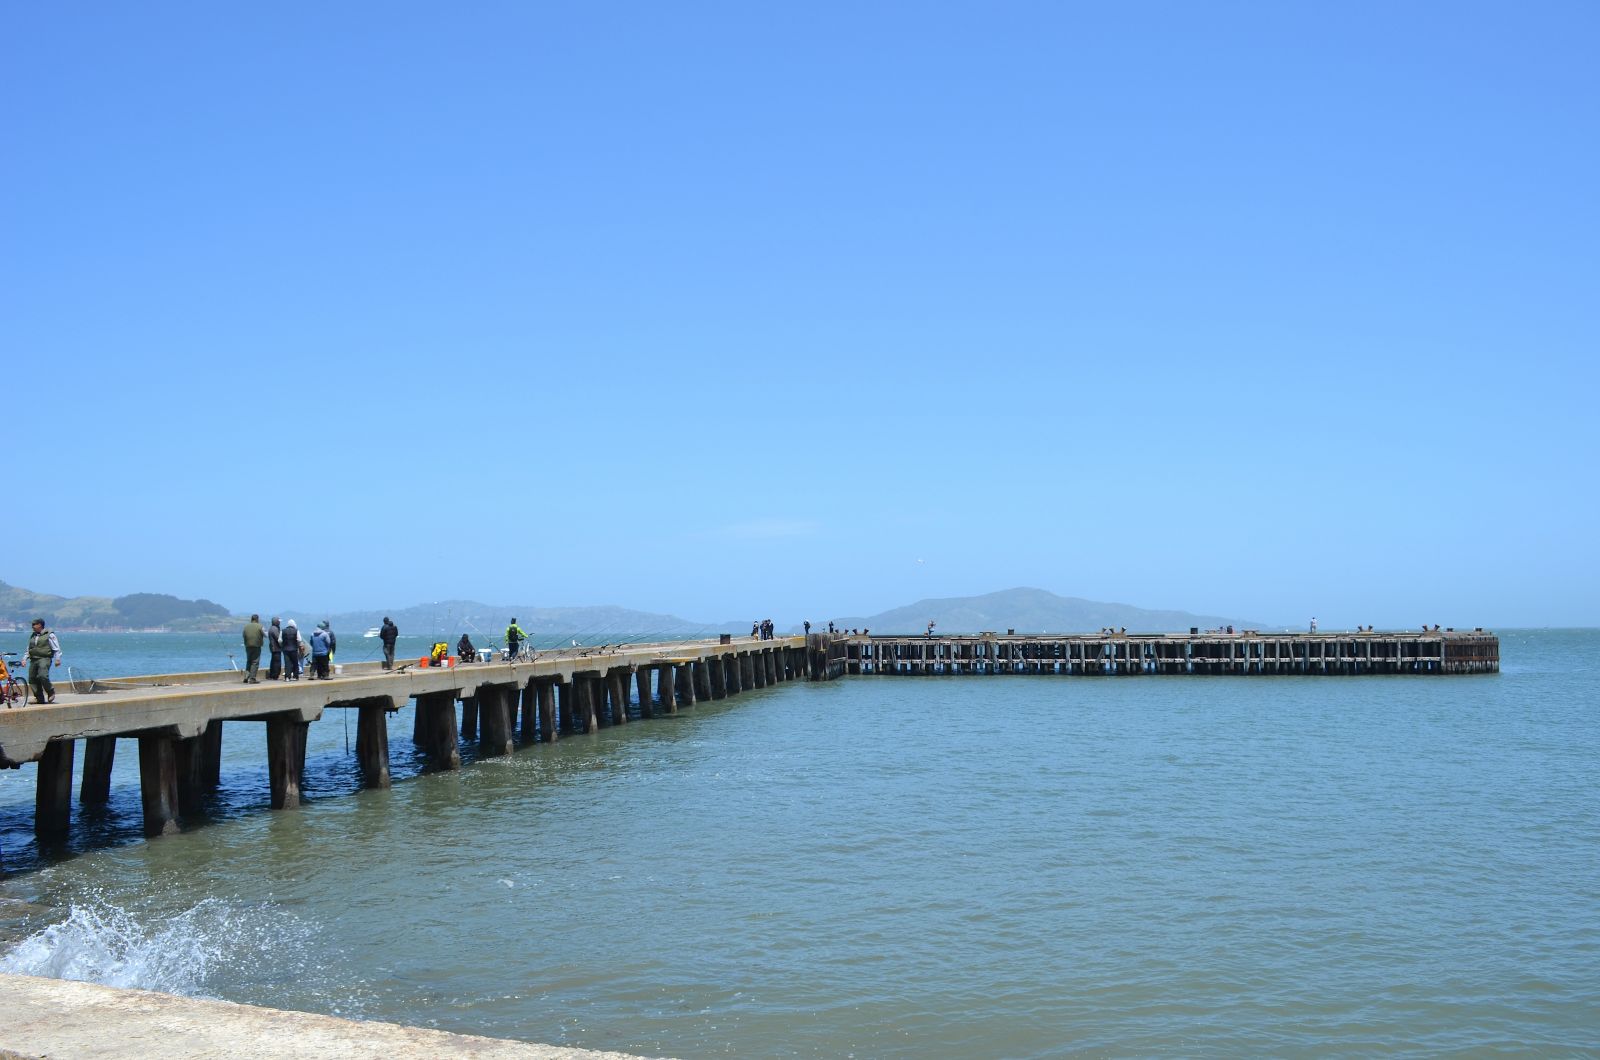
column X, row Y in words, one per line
column 514, row 638
column 43, row 648
column 275, row 647
column 388, row 634
column 254, row 637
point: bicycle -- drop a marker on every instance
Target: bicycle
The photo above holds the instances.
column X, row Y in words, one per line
column 13, row 689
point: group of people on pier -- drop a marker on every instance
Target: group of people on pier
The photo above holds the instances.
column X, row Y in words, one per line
column 288, row 649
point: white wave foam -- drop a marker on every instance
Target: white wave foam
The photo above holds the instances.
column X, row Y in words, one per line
column 99, row 942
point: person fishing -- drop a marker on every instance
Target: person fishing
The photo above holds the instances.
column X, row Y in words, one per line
column 291, row 651
column 514, row 638
column 465, row 650
column 388, row 635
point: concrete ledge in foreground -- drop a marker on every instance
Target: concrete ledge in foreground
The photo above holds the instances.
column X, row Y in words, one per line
column 66, row 1020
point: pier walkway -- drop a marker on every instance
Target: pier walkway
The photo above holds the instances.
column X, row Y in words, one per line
column 1197, row 653
column 177, row 719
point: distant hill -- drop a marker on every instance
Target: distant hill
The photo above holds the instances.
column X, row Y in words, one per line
column 18, row 607
column 1033, row 611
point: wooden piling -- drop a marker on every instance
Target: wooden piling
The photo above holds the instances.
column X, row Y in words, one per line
column 545, row 692
column 158, row 784
column 209, row 772
column 286, row 758
column 372, row 742
column 494, row 709
column 469, row 717
column 617, row 685
column 52, row 799
column 440, row 739
column 191, row 804
column 99, row 755
column 667, row 682
column 641, row 680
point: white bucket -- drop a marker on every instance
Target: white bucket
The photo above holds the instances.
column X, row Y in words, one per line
column 338, row 668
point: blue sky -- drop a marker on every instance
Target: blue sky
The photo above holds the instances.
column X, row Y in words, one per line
column 803, row 309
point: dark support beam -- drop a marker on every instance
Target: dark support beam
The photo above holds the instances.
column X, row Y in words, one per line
column 211, row 755
column 372, row 742
column 529, row 726
column 469, row 718
column 158, row 784
column 440, row 740
column 667, row 683
column 99, row 755
column 641, row 680
column 719, row 687
column 617, row 679
column 702, row 681
column 191, row 755
column 567, row 693
column 588, row 712
column 546, row 693
column 286, row 758
column 758, row 669
column 52, row 799
column 494, row 708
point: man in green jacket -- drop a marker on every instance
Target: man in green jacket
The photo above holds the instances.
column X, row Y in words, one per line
column 514, row 638
column 43, row 649
column 254, row 637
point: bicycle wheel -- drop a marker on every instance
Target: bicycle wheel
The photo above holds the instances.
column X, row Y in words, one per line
column 16, row 693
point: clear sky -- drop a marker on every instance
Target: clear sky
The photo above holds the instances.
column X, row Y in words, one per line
column 799, row 309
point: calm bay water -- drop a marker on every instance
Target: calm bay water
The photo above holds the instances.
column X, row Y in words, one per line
column 1000, row 866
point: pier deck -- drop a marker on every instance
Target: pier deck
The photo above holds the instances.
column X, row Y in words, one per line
column 1196, row 653
column 177, row 719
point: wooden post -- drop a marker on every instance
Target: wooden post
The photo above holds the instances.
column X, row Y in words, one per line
column 567, row 693
column 286, row 758
column 617, row 680
column 732, row 675
column 641, row 680
column 530, row 713
column 158, row 784
column 372, row 741
column 440, row 740
column 702, row 681
column 545, row 692
column 495, row 710
column 667, row 682
column 210, row 766
column 469, row 718
column 719, row 682
column 190, row 752
column 758, row 669
column 52, row 797
column 774, row 671
column 99, row 754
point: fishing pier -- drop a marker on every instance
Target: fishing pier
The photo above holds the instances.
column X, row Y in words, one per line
column 1194, row 653
column 176, row 720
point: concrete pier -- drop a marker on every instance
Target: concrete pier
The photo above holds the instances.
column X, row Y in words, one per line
column 1196, row 653
column 178, row 719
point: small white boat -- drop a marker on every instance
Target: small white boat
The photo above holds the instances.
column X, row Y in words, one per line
column 373, row 632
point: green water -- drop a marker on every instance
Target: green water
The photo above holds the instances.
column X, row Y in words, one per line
column 946, row 867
